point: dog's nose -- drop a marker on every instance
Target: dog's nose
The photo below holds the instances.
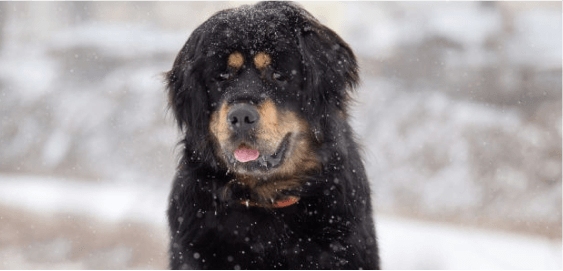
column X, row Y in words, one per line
column 243, row 117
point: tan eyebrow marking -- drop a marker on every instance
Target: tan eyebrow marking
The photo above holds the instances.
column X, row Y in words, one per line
column 236, row 60
column 262, row 60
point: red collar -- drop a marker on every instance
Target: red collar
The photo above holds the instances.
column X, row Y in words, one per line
column 276, row 204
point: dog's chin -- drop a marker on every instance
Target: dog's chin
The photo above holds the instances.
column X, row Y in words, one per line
column 257, row 162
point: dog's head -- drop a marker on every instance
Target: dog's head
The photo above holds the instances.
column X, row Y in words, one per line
column 257, row 84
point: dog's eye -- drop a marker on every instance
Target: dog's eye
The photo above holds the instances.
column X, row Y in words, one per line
column 278, row 76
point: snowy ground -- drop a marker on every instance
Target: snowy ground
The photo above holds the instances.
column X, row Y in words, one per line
column 404, row 243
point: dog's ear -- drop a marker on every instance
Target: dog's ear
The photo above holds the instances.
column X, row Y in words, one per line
column 331, row 69
column 187, row 96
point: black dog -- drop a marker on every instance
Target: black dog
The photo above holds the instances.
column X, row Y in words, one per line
column 270, row 175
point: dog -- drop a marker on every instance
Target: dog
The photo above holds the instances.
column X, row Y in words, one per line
column 270, row 176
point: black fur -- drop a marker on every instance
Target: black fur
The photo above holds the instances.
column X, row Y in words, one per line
column 331, row 227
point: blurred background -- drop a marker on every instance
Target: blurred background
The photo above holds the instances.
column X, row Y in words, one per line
column 459, row 113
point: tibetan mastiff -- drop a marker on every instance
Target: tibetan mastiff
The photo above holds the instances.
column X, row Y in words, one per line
column 270, row 176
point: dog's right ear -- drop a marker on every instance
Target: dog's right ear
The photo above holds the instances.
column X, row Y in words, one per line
column 187, row 96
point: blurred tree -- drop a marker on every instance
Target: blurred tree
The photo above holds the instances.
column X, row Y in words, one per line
column 488, row 3
column 3, row 15
column 81, row 11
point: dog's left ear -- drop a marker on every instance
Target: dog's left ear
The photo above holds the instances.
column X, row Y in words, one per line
column 331, row 68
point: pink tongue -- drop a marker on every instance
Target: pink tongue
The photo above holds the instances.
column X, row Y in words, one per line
column 245, row 155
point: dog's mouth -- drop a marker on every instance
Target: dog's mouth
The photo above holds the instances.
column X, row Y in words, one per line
column 251, row 159
column 244, row 154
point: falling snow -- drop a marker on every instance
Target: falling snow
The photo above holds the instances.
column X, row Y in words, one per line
column 459, row 114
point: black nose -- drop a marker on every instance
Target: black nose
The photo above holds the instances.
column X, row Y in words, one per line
column 243, row 117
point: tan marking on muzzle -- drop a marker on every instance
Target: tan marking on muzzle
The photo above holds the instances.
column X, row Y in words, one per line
column 262, row 60
column 269, row 129
column 275, row 125
column 218, row 124
column 236, row 60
